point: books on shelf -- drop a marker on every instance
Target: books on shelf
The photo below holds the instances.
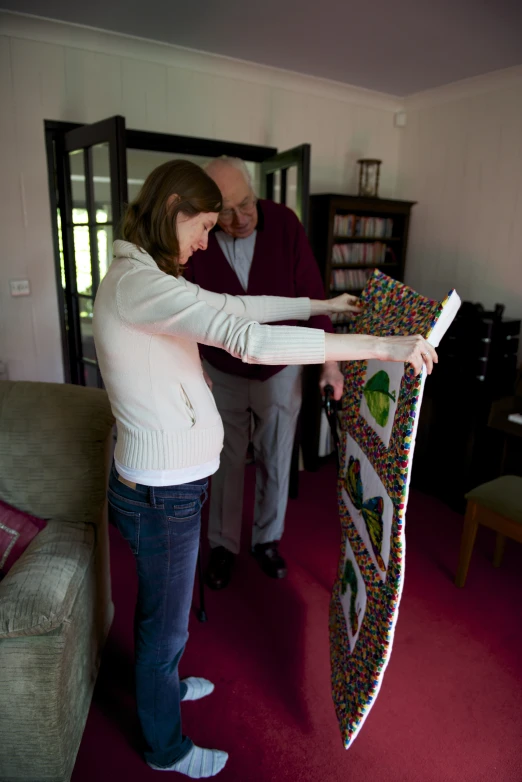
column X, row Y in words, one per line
column 342, row 323
column 350, row 279
column 367, row 227
column 344, row 225
column 359, row 253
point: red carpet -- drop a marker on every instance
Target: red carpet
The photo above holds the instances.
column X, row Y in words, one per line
column 450, row 708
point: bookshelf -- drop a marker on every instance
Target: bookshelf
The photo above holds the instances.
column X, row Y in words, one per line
column 350, row 237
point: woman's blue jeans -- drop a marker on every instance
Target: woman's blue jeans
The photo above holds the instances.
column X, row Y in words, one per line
column 162, row 528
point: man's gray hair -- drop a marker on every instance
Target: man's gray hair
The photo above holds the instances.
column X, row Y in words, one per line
column 234, row 162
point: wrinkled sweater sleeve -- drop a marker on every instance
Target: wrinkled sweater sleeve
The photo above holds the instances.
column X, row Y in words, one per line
column 155, row 303
column 263, row 309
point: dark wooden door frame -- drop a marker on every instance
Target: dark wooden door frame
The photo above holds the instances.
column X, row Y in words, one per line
column 78, row 135
column 300, row 158
column 81, row 138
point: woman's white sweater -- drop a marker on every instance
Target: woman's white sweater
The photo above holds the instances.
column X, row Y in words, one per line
column 147, row 326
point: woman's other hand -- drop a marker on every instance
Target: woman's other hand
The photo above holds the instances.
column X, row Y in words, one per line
column 344, row 304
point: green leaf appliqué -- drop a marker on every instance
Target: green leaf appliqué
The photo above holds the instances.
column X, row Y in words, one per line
column 377, row 395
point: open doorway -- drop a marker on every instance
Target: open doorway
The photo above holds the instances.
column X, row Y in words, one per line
column 94, row 171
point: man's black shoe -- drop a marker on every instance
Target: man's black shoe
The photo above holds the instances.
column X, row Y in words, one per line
column 219, row 568
column 270, row 560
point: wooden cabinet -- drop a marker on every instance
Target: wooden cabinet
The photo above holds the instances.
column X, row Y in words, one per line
column 455, row 449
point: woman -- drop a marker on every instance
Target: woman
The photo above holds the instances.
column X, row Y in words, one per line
column 148, row 322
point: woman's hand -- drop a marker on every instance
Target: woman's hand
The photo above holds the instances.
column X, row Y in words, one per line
column 361, row 347
column 344, row 304
column 412, row 350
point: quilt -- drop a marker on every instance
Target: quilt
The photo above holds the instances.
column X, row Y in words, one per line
column 378, row 423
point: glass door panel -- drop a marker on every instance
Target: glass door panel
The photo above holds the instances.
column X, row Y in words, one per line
column 93, row 176
column 285, row 178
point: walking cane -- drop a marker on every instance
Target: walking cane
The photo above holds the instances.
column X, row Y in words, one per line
column 331, row 407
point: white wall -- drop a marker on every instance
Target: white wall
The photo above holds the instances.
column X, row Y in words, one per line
column 461, row 159
column 62, row 72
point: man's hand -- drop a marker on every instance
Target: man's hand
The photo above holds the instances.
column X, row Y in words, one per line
column 332, row 376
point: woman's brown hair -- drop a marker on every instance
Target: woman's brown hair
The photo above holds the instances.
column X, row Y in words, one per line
column 150, row 225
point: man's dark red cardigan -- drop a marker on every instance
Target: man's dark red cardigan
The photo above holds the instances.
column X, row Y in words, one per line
column 283, row 265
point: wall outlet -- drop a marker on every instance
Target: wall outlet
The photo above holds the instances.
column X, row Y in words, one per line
column 20, row 287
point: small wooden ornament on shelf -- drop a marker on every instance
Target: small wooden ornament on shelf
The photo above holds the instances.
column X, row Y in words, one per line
column 369, row 172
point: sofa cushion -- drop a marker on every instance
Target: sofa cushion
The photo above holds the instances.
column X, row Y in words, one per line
column 17, row 529
column 39, row 591
column 53, row 449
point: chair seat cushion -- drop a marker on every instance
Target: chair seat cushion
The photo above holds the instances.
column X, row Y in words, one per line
column 17, row 529
column 39, row 591
column 503, row 495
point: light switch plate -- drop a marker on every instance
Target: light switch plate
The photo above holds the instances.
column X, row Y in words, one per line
column 20, row 287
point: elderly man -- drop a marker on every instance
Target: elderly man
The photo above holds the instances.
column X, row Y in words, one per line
column 259, row 248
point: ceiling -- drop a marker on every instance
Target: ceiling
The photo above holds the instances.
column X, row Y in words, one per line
column 398, row 47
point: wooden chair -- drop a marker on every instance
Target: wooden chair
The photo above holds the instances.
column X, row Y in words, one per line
column 497, row 505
